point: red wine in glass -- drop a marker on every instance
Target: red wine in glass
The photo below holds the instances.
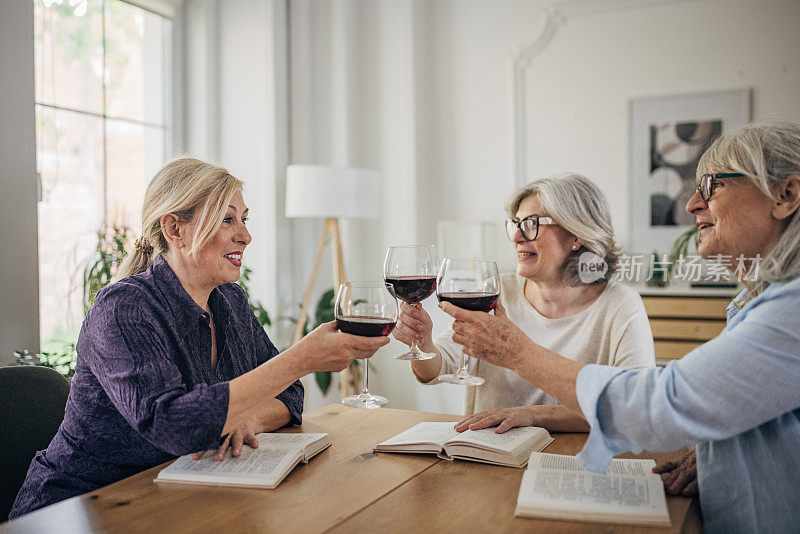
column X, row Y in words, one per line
column 411, row 272
column 412, row 289
column 473, row 301
column 472, row 285
column 366, row 326
column 365, row 309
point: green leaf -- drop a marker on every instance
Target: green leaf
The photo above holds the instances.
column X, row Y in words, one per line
column 323, row 313
column 262, row 315
column 325, row 308
column 109, row 254
column 681, row 246
column 63, row 361
column 323, row 379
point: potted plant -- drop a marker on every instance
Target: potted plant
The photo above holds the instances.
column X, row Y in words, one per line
column 62, row 361
column 112, row 240
column 680, row 249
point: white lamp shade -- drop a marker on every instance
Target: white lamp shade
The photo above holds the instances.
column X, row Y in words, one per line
column 341, row 192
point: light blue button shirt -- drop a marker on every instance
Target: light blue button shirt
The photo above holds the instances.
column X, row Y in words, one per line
column 737, row 397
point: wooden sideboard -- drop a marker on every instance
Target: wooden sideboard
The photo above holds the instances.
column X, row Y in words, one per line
column 684, row 318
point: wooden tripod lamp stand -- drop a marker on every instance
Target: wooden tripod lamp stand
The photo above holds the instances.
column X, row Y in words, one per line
column 331, row 193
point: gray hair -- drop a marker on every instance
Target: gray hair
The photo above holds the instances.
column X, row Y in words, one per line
column 768, row 152
column 580, row 208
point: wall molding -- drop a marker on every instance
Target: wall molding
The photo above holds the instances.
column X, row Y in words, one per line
column 552, row 16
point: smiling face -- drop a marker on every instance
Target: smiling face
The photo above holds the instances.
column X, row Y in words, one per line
column 220, row 260
column 736, row 220
column 542, row 260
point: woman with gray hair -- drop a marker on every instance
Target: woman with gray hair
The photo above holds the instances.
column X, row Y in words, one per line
column 735, row 397
column 562, row 295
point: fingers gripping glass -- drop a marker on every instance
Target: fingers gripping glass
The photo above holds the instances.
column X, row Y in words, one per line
column 707, row 183
column 528, row 227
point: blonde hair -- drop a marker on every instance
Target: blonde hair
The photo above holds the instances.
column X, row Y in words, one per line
column 768, row 152
column 580, row 208
column 188, row 188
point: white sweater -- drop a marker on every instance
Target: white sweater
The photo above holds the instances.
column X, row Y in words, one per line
column 613, row 330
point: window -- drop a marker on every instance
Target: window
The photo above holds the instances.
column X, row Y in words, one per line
column 102, row 78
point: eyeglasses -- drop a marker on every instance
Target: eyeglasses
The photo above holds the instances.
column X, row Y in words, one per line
column 706, row 184
column 528, row 227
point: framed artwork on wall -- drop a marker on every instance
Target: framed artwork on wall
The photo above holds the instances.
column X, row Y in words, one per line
column 668, row 135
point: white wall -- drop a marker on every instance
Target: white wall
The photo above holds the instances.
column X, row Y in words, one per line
column 236, row 115
column 19, row 267
column 580, row 86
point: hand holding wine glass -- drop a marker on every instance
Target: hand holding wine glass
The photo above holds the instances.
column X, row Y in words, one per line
column 411, row 272
column 492, row 338
column 472, row 285
column 365, row 309
column 326, row 349
column 413, row 325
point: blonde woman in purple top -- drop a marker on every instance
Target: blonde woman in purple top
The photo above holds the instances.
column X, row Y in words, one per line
column 171, row 360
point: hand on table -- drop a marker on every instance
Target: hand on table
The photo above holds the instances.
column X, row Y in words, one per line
column 680, row 476
column 414, row 324
column 492, row 338
column 504, row 418
column 245, row 434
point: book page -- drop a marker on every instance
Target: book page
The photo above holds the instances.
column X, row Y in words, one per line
column 427, row 432
column 264, row 463
column 633, row 467
column 588, row 493
column 298, row 441
column 556, row 486
column 507, row 441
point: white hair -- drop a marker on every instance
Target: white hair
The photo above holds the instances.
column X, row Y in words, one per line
column 580, row 208
column 768, row 152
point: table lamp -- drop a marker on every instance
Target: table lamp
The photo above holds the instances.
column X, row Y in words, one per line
column 331, row 193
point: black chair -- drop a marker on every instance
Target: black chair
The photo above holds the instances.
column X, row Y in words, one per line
column 32, row 402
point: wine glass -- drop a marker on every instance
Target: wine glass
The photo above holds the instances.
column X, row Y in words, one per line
column 472, row 285
column 365, row 309
column 411, row 272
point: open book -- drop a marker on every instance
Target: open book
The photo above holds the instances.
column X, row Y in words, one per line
column 511, row 448
column 264, row 467
column 557, row 487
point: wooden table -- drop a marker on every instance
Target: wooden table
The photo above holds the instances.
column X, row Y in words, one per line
column 347, row 488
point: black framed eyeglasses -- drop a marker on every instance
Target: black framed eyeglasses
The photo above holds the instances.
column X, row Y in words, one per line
column 707, row 182
column 528, row 227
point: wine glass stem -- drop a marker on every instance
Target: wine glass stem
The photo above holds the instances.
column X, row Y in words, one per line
column 462, row 369
column 414, row 347
column 365, row 382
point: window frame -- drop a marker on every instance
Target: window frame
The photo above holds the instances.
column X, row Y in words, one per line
column 171, row 115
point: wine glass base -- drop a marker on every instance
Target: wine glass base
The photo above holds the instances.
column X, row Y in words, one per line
column 412, row 356
column 368, row 401
column 462, row 380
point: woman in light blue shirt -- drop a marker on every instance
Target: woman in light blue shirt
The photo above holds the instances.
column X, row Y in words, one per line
column 736, row 397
